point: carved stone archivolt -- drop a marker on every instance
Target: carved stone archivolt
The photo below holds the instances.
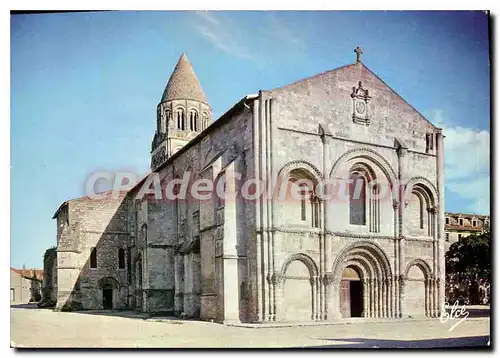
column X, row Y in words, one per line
column 426, row 183
column 305, row 259
column 300, row 164
column 369, row 154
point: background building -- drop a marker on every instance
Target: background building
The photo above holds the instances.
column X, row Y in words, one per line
column 25, row 285
column 458, row 225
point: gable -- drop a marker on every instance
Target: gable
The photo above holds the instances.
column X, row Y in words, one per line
column 352, row 102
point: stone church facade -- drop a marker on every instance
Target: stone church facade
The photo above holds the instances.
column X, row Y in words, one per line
column 234, row 259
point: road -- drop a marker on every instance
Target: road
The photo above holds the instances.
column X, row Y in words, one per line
column 32, row 327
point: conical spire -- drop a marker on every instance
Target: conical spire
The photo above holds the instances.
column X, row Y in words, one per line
column 183, row 83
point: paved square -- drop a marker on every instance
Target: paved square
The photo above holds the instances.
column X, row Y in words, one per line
column 31, row 327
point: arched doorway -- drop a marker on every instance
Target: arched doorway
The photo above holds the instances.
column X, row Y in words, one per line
column 107, row 297
column 362, row 275
column 351, row 293
column 109, row 292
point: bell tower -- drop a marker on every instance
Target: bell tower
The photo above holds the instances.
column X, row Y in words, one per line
column 183, row 112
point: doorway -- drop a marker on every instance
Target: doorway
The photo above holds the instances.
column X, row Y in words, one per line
column 356, row 298
column 107, row 298
column 351, row 293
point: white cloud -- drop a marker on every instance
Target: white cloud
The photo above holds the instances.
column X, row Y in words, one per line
column 477, row 190
column 273, row 33
column 208, row 17
column 277, row 31
column 467, row 162
column 219, row 34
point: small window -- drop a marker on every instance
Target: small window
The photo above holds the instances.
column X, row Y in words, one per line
column 447, row 237
column 180, row 120
column 447, row 221
column 193, row 121
column 315, row 211
column 429, row 142
column 129, row 266
column 243, row 291
column 204, row 121
column 221, row 199
column 461, row 222
column 93, row 257
column 474, row 223
column 302, row 203
column 357, row 201
column 121, row 259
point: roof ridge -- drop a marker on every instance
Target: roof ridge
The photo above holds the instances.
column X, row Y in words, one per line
column 311, row 77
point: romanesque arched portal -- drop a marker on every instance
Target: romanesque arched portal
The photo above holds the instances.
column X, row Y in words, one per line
column 362, row 285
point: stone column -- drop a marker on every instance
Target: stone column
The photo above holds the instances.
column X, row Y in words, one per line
column 379, row 298
column 394, row 282
column 403, row 178
column 386, row 298
column 230, row 287
column 402, row 308
column 441, row 218
column 370, row 298
column 325, row 224
column 435, row 263
column 278, row 281
column 256, row 275
column 391, row 299
column 428, row 297
column 365, row 298
column 324, row 308
column 315, row 295
column 332, row 297
column 320, row 294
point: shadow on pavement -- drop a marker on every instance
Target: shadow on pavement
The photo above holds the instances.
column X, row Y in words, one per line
column 25, row 306
column 464, row 342
column 110, row 313
column 129, row 314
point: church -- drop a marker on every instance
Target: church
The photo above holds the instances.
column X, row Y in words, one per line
column 344, row 250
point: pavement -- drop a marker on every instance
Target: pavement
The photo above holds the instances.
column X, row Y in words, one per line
column 33, row 327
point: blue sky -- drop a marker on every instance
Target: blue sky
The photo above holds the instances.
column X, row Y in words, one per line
column 84, row 89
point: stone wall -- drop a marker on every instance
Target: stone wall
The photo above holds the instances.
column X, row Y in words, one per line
column 310, row 127
column 49, row 290
column 93, row 223
column 179, row 248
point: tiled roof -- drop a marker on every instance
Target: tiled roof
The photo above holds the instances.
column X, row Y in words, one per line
column 183, row 83
column 452, row 227
column 479, row 216
column 29, row 273
column 105, row 195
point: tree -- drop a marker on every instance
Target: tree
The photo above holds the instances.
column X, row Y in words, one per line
column 468, row 266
